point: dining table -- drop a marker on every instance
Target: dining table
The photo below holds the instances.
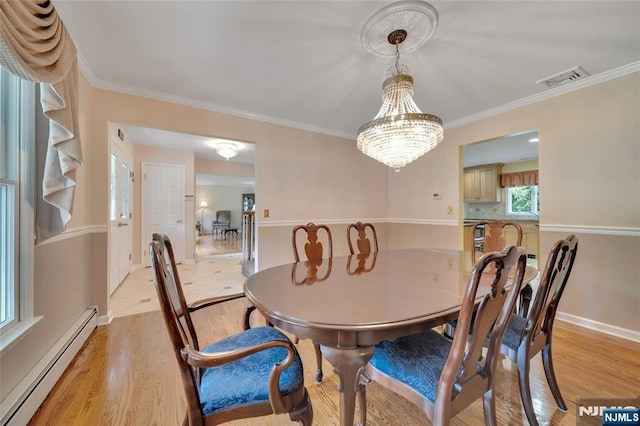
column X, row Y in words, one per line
column 349, row 304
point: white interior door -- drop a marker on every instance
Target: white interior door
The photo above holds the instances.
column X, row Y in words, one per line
column 119, row 216
column 164, row 205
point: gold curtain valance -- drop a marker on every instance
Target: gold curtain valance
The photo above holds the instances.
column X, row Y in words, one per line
column 35, row 46
column 527, row 178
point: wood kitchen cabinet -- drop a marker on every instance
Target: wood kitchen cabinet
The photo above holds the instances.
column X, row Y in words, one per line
column 530, row 240
column 482, row 184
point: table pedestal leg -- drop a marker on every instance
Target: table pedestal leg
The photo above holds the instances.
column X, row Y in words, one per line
column 349, row 364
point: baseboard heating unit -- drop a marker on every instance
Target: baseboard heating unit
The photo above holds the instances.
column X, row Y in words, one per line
column 20, row 405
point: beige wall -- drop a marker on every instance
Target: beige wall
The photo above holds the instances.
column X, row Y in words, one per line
column 300, row 175
column 521, row 166
column 589, row 164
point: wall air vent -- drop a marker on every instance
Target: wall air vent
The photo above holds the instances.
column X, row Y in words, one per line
column 564, row 77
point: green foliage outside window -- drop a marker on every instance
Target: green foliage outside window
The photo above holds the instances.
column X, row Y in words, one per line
column 521, row 199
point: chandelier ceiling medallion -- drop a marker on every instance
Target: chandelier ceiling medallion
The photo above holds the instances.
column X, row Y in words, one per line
column 400, row 132
column 227, row 149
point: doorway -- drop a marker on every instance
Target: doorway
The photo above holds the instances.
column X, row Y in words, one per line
column 501, row 183
column 226, row 199
column 119, row 215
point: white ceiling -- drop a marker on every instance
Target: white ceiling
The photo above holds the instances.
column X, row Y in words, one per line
column 508, row 149
column 301, row 63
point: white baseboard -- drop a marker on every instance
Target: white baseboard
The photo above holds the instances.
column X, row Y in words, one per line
column 20, row 405
column 612, row 330
column 105, row 319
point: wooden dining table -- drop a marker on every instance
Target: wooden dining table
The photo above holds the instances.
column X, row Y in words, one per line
column 349, row 304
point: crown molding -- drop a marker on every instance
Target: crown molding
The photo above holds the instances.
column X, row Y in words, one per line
column 548, row 94
column 179, row 100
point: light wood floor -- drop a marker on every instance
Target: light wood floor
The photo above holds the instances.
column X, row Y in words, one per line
column 210, row 244
column 126, row 375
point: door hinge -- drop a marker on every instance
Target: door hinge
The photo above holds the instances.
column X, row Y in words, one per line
column 129, row 256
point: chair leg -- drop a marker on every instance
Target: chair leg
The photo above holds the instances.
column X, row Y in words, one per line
column 246, row 318
column 525, row 389
column 362, row 397
column 304, row 412
column 547, row 362
column 318, row 362
column 489, row 403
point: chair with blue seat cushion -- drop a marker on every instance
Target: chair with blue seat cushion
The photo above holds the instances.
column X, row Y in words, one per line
column 526, row 337
column 441, row 376
column 253, row 373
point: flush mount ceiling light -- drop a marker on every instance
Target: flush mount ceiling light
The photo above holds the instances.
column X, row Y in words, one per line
column 400, row 132
column 227, row 150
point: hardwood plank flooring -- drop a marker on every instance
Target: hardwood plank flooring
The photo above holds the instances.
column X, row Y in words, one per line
column 126, row 374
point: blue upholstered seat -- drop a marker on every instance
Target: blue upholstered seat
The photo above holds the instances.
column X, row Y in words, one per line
column 246, row 380
column 514, row 332
column 416, row 360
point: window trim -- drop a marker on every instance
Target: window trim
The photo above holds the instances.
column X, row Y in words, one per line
column 13, row 333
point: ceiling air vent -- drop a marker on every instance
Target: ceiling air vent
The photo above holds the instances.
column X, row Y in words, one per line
column 564, row 77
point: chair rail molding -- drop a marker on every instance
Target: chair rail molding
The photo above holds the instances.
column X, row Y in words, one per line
column 75, row 232
column 598, row 230
column 282, row 223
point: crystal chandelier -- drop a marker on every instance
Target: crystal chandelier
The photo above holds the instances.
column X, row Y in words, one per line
column 227, row 150
column 400, row 132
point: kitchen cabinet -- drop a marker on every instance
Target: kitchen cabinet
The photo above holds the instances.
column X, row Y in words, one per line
column 482, row 185
column 468, row 229
column 530, row 240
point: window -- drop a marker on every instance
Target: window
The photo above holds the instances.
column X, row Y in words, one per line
column 17, row 114
column 523, row 200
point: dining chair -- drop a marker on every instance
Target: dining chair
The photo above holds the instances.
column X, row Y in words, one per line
column 313, row 247
column 527, row 336
column 254, row 373
column 315, row 251
column 442, row 376
column 494, row 240
column 365, row 243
